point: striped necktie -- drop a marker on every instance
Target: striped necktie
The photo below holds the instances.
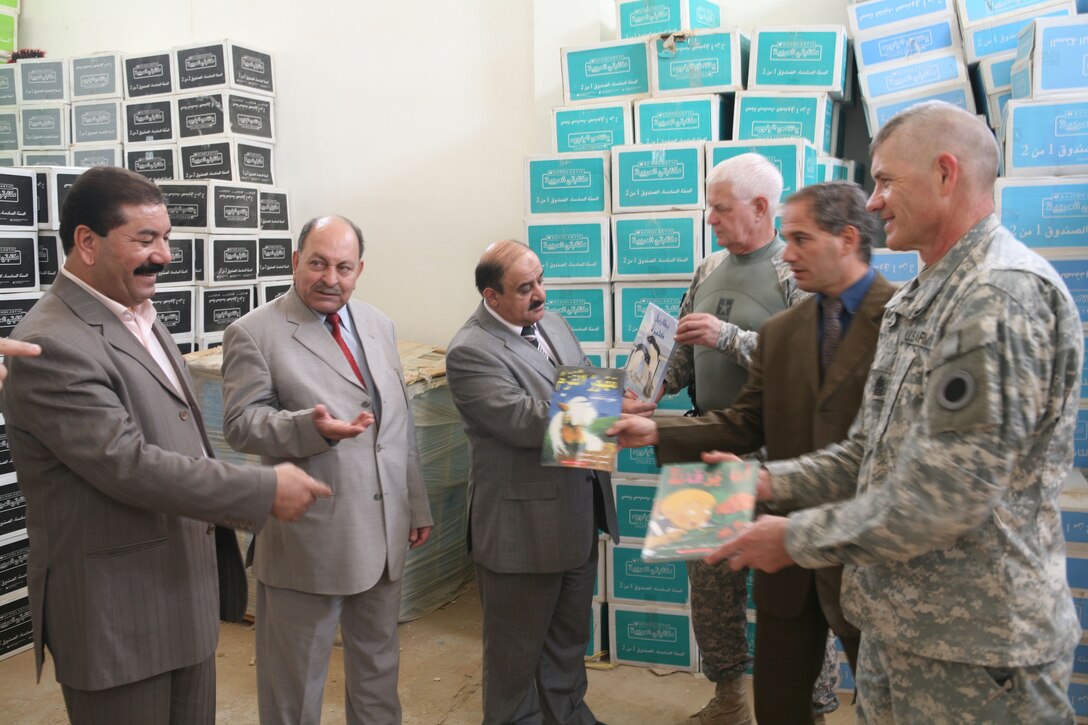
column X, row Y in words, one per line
column 529, row 335
column 829, row 343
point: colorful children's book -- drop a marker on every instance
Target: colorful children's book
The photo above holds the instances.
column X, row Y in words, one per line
column 585, row 403
column 697, row 507
column 649, row 360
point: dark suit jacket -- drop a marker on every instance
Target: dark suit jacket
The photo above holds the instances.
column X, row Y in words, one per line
column 785, row 407
column 523, row 517
column 122, row 573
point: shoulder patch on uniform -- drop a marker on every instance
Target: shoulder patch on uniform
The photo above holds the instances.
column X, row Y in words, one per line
column 956, row 389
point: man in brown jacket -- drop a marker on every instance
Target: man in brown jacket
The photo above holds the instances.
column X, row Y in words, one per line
column 804, row 389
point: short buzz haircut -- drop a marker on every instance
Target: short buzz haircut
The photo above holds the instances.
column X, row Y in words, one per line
column 96, row 198
column 749, row 176
column 309, row 227
column 835, row 205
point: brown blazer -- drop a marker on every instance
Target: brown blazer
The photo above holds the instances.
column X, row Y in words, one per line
column 784, row 407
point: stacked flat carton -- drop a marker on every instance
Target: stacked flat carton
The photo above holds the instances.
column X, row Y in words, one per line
column 15, row 627
column 1043, row 199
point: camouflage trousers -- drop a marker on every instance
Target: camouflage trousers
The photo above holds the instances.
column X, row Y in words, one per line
column 896, row 686
column 719, row 598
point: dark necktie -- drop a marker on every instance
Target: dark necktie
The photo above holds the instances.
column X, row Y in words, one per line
column 829, row 344
column 334, row 320
column 529, row 335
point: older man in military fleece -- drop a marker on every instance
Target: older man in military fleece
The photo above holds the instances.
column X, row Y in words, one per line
column 946, row 493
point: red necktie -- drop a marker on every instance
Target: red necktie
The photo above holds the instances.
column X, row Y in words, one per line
column 334, row 320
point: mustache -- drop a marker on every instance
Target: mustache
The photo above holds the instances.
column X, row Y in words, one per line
column 149, row 268
column 536, row 304
column 334, row 290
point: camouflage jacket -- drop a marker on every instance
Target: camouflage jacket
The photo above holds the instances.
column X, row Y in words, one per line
column 965, row 435
column 734, row 343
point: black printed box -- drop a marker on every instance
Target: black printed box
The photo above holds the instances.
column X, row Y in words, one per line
column 14, row 554
column 274, row 257
column 207, row 161
column 16, row 628
column 200, row 115
column 175, row 308
column 44, row 126
column 50, row 257
column 8, row 94
column 234, row 207
column 180, row 271
column 7, row 466
column 52, row 185
column 13, row 308
column 201, row 66
column 150, row 74
column 44, row 158
column 251, row 69
column 268, row 291
column 12, row 509
column 90, row 156
column 220, row 306
column 254, row 163
column 232, row 260
column 19, row 262
column 97, row 122
column 273, row 211
column 251, row 116
column 150, row 121
column 42, row 80
column 154, row 162
column 96, row 76
column 18, row 199
column 187, row 204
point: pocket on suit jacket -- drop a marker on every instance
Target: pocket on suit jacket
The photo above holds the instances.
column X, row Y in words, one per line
column 530, row 490
column 126, row 548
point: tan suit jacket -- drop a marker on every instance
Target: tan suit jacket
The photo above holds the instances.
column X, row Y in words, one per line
column 279, row 361
column 786, row 407
column 111, row 459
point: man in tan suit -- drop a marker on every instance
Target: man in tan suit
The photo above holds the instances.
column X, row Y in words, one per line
column 314, row 377
column 803, row 391
column 112, row 456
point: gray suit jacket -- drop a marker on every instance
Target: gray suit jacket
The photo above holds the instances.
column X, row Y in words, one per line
column 112, row 463
column 523, row 517
column 279, row 361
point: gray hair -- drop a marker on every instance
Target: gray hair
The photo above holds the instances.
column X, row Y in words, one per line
column 749, row 176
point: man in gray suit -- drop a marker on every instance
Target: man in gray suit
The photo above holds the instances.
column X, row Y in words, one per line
column 112, row 456
column 532, row 529
column 314, row 377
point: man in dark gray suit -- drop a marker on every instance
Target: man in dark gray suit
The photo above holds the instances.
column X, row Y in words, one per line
column 532, row 529
column 122, row 495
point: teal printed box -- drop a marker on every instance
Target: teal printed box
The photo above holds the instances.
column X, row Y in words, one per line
column 596, row 127
column 708, row 61
column 666, row 245
column 880, row 15
column 1054, row 54
column 586, row 308
column 939, row 35
column 980, row 12
column 999, row 36
column 762, row 115
column 651, row 637
column 994, row 73
column 640, row 18
column 597, row 355
column 631, row 300
column 571, row 249
column 878, row 112
column 568, row 184
column 662, row 177
column 678, row 119
column 603, row 71
column 795, row 159
column 1072, row 265
column 630, row 579
column 897, row 267
column 833, row 169
column 634, row 501
column 1044, row 211
column 637, row 462
column 674, row 404
column 1047, row 138
column 912, row 74
column 807, row 58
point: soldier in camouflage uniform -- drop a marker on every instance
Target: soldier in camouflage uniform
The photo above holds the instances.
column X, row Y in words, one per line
column 946, row 492
column 732, row 293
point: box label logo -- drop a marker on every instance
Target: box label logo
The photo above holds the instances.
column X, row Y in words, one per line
column 653, row 632
column 564, row 244
column 206, row 158
column 807, row 51
column 42, row 123
column 657, row 170
column 647, row 239
column 10, row 256
column 1065, row 205
column 1071, row 123
column 274, row 253
column 201, row 61
column 235, row 254
column 9, row 193
column 250, row 123
column 94, row 81
column 42, row 75
column 253, row 63
column 96, row 118
column 155, row 163
column 236, row 213
column 182, row 212
column 572, row 309
column 608, row 65
column 151, row 115
column 566, row 179
column 253, row 159
column 154, row 69
column 200, row 121
column 226, row 315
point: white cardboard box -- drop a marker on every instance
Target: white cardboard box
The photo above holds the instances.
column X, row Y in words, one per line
column 19, row 262
column 98, row 122
column 18, row 200
column 154, row 162
column 233, row 208
column 96, row 76
column 52, row 184
column 705, row 61
column 680, row 119
column 574, row 183
column 42, row 80
column 587, row 308
column 44, row 126
column 877, row 112
column 656, row 246
column 55, row 157
column 149, row 74
column 150, row 121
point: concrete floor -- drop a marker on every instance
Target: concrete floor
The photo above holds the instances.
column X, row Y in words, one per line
column 439, row 683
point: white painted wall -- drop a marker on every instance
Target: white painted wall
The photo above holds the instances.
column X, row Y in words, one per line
column 412, row 117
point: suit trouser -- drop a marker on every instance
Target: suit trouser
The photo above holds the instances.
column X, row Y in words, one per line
column 536, row 629
column 185, row 696
column 295, row 632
